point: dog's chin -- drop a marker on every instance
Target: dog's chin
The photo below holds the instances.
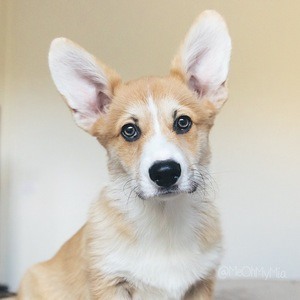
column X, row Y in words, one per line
column 165, row 194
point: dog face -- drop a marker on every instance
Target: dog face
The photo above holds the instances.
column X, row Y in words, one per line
column 155, row 129
column 156, row 135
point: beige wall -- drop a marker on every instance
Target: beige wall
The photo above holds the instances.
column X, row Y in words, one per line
column 53, row 170
column 2, row 46
column 3, row 207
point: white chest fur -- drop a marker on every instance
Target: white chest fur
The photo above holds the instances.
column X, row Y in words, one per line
column 166, row 274
column 167, row 256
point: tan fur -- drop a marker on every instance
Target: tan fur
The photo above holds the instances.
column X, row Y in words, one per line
column 202, row 290
column 65, row 276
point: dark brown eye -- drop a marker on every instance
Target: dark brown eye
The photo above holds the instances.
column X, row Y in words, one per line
column 182, row 124
column 130, row 132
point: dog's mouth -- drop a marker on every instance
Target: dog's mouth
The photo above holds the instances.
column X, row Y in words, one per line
column 168, row 192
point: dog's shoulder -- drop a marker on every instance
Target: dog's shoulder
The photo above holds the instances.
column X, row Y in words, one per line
column 62, row 277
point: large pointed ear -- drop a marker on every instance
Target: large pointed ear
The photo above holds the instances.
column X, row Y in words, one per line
column 86, row 85
column 203, row 59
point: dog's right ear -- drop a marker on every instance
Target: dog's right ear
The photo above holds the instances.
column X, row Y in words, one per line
column 86, row 84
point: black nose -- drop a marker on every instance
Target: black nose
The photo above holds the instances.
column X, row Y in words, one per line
column 165, row 172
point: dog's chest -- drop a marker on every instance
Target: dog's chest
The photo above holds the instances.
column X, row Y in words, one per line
column 161, row 266
column 162, row 274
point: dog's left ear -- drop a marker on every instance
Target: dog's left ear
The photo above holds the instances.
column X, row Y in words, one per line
column 203, row 60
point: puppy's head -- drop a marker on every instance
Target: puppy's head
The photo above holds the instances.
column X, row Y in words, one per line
column 155, row 129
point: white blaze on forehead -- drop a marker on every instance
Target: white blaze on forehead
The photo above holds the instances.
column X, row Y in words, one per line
column 158, row 147
column 154, row 115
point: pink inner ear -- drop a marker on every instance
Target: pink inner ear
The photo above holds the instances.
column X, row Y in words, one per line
column 102, row 102
column 91, row 97
column 195, row 85
column 94, row 107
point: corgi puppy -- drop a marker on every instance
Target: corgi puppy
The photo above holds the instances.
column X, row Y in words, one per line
column 154, row 232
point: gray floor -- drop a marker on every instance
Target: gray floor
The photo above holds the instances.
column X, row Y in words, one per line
column 257, row 290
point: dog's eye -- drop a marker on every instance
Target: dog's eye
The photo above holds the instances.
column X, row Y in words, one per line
column 130, row 132
column 182, row 124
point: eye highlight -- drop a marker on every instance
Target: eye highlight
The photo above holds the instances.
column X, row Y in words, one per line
column 130, row 132
column 182, row 124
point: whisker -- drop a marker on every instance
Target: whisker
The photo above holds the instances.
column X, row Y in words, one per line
column 204, row 180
